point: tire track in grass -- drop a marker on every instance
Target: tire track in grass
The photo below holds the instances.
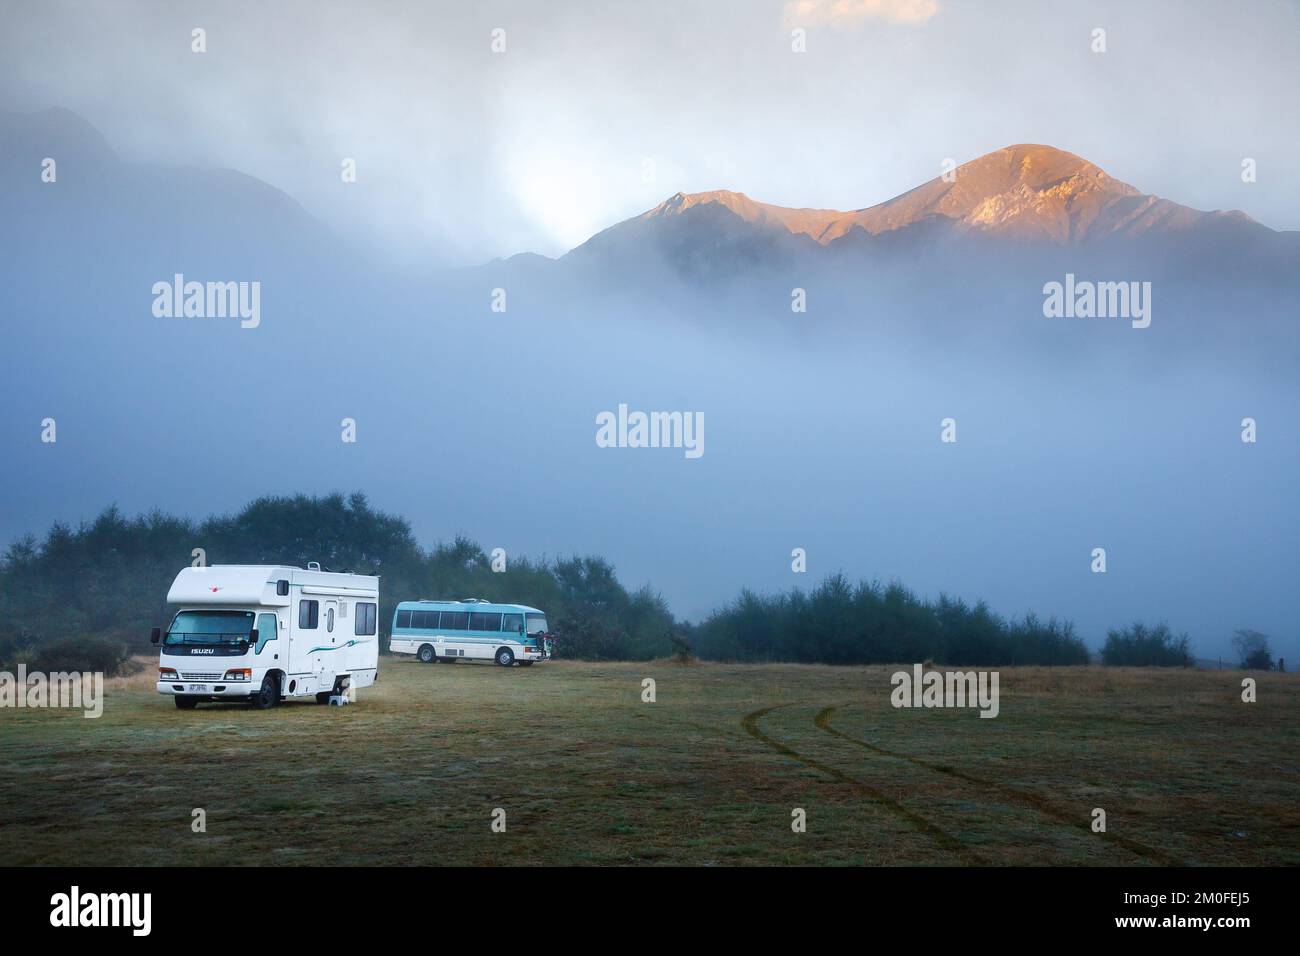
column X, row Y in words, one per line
column 750, row 723
column 1038, row 802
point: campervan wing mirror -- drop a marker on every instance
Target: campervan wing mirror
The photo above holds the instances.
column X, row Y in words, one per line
column 155, row 635
column 252, row 638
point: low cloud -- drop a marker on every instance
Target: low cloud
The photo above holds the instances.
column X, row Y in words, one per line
column 849, row 14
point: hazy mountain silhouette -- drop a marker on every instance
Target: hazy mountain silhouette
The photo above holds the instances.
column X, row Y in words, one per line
column 148, row 216
column 1023, row 208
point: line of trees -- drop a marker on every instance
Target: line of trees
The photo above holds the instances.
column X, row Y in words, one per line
column 93, row 592
column 84, row 598
column 843, row 623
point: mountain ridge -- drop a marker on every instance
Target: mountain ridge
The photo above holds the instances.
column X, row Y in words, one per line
column 1018, row 196
column 1026, row 191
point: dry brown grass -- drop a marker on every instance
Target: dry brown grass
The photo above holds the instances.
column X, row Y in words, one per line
column 589, row 774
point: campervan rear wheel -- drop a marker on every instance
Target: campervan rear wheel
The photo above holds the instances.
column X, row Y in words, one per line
column 426, row 654
column 186, row 703
column 268, row 696
column 505, row 657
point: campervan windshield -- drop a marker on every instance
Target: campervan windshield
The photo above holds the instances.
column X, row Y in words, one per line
column 536, row 624
column 210, row 627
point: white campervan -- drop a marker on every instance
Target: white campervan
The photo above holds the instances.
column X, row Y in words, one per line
column 262, row 633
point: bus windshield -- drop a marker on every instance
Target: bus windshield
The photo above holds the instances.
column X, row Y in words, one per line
column 210, row 627
column 536, row 624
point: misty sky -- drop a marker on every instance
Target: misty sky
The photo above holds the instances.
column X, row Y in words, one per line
column 465, row 155
column 821, row 430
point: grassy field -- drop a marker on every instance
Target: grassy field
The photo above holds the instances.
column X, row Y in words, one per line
column 708, row 774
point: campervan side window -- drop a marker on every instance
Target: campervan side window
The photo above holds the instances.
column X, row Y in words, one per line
column 512, row 623
column 364, row 618
column 403, row 618
column 483, row 621
column 308, row 614
column 426, row 620
column 455, row 620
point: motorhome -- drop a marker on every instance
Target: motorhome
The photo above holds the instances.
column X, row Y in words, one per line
column 265, row 633
column 470, row 629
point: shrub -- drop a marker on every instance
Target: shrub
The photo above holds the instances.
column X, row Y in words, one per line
column 1142, row 646
column 80, row 654
column 1253, row 651
column 681, row 649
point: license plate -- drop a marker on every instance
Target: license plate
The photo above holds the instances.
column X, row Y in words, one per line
column 196, row 688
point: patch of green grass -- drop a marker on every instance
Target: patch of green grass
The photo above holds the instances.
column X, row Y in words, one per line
column 589, row 774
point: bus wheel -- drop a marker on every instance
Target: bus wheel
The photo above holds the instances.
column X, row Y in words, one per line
column 267, row 697
column 505, row 657
column 426, row 654
column 186, row 703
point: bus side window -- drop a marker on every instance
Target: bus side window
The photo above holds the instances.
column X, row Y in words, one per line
column 403, row 619
column 513, row 623
column 308, row 615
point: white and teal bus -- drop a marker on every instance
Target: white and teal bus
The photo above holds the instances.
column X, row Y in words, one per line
column 470, row 629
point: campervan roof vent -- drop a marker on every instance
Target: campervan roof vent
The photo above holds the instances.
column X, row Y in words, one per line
column 471, row 601
column 313, row 565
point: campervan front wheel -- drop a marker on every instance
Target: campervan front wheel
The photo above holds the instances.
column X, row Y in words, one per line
column 268, row 696
column 505, row 657
column 426, row 654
